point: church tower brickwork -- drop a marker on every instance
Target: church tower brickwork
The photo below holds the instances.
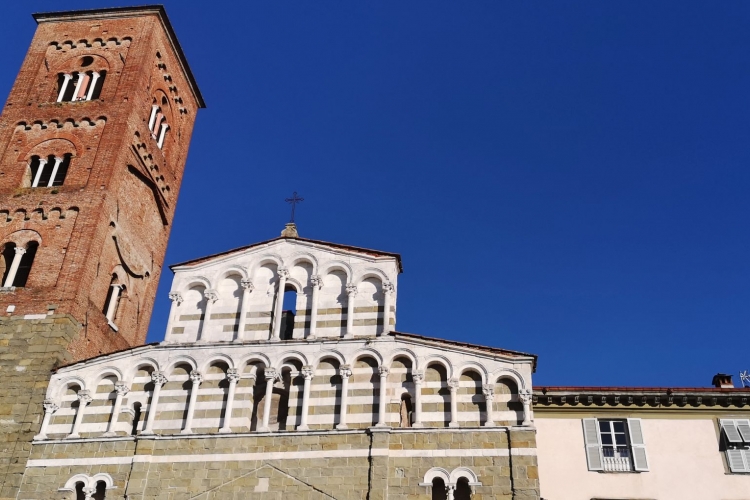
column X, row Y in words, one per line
column 93, row 142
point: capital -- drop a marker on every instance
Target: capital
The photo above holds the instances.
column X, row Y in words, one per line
column 88, row 491
column 195, row 377
column 453, row 384
column 307, row 372
column 525, row 396
column 50, row 406
column 283, row 273
column 489, row 391
column 383, row 371
column 158, row 378
column 176, row 297
column 84, row 396
column 211, row 295
column 316, row 280
column 247, row 284
column 20, row 250
column 345, row 371
column 417, row 377
column 351, row 290
column 233, row 375
column 121, row 389
column 387, row 288
column 271, row 373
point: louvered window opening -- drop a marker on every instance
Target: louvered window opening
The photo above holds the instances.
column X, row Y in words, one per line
column 736, row 436
column 80, row 85
column 615, row 445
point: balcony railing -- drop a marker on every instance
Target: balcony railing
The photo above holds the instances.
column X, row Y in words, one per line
column 617, row 459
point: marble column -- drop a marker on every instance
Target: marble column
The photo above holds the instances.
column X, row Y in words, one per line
column 195, row 382
column 88, row 492
column 114, row 297
column 39, row 170
column 453, row 385
column 382, row 398
column 283, row 275
column 418, row 378
column 211, row 297
column 247, row 288
column 317, row 283
column 84, row 398
column 55, row 168
column 10, row 278
column 233, row 376
column 489, row 399
column 307, row 372
column 351, row 292
column 159, row 380
column 176, row 298
column 122, row 390
column 345, row 371
column 271, row 376
column 388, row 290
column 64, row 86
column 94, row 78
column 50, row 407
column 526, row 396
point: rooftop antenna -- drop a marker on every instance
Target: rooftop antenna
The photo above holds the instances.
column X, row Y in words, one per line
column 745, row 378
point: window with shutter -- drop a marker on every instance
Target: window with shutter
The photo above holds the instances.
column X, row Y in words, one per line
column 735, row 435
column 615, row 445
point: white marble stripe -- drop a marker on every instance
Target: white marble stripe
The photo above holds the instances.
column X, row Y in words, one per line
column 295, row 455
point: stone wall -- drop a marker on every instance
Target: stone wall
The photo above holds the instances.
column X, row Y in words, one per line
column 371, row 464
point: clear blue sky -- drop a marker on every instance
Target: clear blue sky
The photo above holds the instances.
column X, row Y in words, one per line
column 563, row 178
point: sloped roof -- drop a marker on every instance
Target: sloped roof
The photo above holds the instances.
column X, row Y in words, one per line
column 350, row 248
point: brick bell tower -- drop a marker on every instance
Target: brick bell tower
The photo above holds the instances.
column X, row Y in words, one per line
column 93, row 142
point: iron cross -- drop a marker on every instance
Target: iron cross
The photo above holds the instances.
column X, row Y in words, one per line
column 294, row 200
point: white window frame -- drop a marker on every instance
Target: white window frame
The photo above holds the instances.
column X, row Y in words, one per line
column 595, row 459
column 735, row 432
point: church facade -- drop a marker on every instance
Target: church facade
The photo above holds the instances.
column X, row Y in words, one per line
column 282, row 373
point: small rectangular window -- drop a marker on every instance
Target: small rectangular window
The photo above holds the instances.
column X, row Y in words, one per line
column 735, row 436
column 615, row 445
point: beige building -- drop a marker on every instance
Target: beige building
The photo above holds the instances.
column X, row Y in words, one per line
column 609, row 443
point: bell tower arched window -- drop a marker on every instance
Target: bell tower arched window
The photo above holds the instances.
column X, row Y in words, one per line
column 49, row 171
column 18, row 262
column 157, row 123
column 80, row 85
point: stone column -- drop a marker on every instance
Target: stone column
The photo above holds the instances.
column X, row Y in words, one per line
column 307, row 372
column 345, row 371
column 451, row 489
column 121, row 390
column 39, row 170
column 55, row 168
column 387, row 300
column 14, row 266
column 50, row 407
column 162, row 135
column 453, row 385
column 489, row 399
column 64, row 86
column 283, row 275
column 247, row 288
column 211, row 297
column 233, row 375
column 418, row 378
column 271, row 376
column 159, row 380
column 152, row 118
column 525, row 396
column 88, row 492
column 351, row 291
column 84, row 398
column 176, row 298
column 195, row 382
column 83, row 80
column 317, row 284
column 113, row 298
column 382, row 401
column 92, row 85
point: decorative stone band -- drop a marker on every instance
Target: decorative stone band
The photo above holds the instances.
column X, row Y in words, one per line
column 661, row 398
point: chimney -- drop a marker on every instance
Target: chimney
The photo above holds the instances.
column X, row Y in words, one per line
column 722, row 381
